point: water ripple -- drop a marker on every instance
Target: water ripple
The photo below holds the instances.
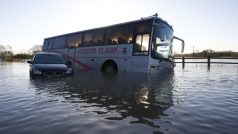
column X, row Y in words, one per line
column 193, row 100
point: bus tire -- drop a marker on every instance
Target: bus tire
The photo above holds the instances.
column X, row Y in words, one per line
column 109, row 68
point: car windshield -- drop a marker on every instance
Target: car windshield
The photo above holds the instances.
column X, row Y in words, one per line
column 48, row 59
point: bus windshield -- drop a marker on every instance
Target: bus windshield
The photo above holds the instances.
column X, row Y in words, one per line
column 162, row 41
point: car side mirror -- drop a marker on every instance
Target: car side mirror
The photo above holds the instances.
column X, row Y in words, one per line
column 30, row 62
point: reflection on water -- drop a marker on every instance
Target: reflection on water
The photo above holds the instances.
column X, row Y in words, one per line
column 134, row 95
column 192, row 100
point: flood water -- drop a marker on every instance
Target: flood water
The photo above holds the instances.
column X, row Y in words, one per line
column 192, row 100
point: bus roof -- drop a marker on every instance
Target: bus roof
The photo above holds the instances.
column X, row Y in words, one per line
column 119, row 24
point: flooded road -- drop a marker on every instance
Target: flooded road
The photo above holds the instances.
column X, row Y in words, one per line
column 190, row 100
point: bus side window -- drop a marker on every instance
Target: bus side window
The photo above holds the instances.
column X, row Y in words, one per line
column 144, row 27
column 119, row 35
column 138, row 44
column 145, row 42
column 122, row 40
column 74, row 40
column 93, row 37
column 45, row 45
column 141, row 46
column 59, row 42
column 51, row 43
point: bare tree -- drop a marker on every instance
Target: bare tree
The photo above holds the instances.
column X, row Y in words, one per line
column 35, row 49
column 9, row 48
column 5, row 50
column 2, row 48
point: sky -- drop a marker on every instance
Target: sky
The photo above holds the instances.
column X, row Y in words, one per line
column 203, row 24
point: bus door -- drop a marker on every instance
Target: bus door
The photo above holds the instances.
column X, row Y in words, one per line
column 73, row 42
column 71, row 55
column 140, row 59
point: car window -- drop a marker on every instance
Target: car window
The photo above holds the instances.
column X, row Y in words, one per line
column 48, row 59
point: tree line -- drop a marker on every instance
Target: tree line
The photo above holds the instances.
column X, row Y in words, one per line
column 7, row 54
column 209, row 52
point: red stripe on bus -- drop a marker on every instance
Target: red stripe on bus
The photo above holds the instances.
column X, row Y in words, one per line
column 85, row 66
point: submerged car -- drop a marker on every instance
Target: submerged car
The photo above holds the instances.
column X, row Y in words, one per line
column 50, row 64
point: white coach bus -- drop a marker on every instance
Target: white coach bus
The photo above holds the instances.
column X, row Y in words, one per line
column 144, row 45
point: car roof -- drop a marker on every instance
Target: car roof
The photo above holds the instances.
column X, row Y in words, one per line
column 47, row 53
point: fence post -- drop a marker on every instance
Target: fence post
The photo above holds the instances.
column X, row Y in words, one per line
column 208, row 62
column 183, row 62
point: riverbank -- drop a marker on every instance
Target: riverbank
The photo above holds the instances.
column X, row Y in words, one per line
column 17, row 57
column 210, row 53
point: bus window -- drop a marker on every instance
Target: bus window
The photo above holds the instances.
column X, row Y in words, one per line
column 142, row 44
column 145, row 42
column 46, row 44
column 59, row 42
column 51, row 43
column 144, row 27
column 93, row 37
column 119, row 35
column 74, row 40
column 138, row 43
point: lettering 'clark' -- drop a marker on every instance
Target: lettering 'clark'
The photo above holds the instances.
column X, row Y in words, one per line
column 91, row 51
column 111, row 50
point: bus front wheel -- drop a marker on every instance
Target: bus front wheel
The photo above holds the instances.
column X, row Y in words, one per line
column 109, row 68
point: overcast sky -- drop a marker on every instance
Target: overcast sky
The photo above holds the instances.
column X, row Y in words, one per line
column 204, row 24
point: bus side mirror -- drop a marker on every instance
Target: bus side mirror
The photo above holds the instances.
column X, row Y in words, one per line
column 182, row 45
